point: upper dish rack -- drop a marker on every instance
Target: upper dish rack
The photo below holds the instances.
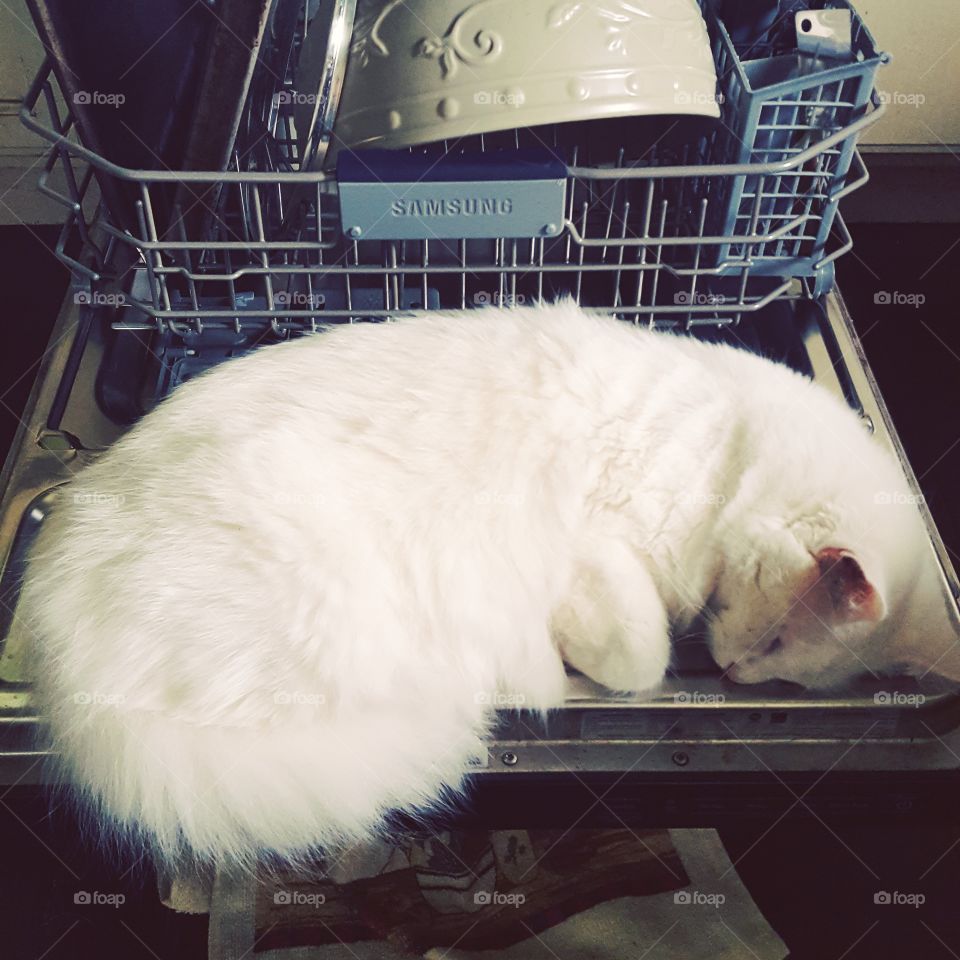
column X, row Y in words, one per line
column 668, row 224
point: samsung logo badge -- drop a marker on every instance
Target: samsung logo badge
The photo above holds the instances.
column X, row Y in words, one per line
column 452, row 207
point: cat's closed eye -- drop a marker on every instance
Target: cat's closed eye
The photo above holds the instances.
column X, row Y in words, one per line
column 772, row 647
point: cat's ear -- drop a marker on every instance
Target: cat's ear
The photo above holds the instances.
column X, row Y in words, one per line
column 844, row 590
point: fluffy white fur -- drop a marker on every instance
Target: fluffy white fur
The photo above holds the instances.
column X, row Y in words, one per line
column 286, row 602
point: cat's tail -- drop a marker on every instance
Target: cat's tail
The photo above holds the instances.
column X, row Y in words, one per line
column 234, row 794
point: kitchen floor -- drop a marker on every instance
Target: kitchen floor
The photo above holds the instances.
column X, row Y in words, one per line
column 815, row 881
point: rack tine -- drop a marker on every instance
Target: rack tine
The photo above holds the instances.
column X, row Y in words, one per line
column 346, row 276
column 399, row 282
column 501, row 256
column 583, row 233
column 574, row 184
column 658, row 259
column 542, row 242
column 642, row 250
column 157, row 290
column 611, row 206
column 191, row 284
column 620, row 252
column 697, row 250
column 265, row 259
column 425, row 286
column 149, row 227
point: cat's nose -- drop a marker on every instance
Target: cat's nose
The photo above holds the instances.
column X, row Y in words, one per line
column 732, row 671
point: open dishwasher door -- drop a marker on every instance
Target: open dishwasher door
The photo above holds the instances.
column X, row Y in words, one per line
column 744, row 741
column 727, row 230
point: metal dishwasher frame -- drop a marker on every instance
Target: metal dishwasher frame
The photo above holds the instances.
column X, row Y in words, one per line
column 721, row 729
column 724, row 242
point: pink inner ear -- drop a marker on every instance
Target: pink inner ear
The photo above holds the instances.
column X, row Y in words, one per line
column 853, row 596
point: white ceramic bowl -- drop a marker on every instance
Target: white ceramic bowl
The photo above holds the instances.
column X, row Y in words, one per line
column 425, row 70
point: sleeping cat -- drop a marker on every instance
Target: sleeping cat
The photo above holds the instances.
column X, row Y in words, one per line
column 282, row 605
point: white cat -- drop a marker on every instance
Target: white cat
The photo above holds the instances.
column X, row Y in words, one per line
column 283, row 604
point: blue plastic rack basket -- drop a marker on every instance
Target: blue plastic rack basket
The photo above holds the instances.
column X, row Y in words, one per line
column 778, row 103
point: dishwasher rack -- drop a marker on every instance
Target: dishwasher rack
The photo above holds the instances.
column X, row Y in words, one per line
column 682, row 227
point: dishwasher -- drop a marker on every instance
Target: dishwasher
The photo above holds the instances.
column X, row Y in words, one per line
column 728, row 232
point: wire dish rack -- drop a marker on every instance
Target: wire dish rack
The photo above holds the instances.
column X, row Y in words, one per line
column 672, row 223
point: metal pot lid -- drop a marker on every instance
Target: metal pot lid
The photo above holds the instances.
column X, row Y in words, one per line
column 318, row 78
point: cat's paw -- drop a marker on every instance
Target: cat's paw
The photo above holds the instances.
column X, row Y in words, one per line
column 540, row 686
column 620, row 665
